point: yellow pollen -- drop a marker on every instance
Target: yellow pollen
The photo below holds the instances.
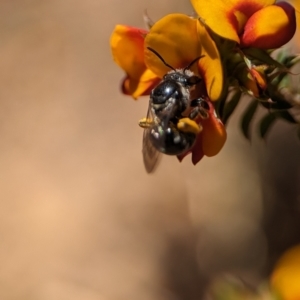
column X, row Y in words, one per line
column 145, row 123
column 189, row 126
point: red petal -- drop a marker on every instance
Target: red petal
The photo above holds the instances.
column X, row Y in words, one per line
column 227, row 18
column 214, row 134
column 196, row 150
column 270, row 27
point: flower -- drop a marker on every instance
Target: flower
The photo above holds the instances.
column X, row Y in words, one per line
column 179, row 40
column 285, row 278
column 127, row 46
column 252, row 77
column 250, row 23
column 210, row 140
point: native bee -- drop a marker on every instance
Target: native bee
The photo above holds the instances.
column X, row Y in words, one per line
column 170, row 103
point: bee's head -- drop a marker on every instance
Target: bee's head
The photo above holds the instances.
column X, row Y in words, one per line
column 182, row 76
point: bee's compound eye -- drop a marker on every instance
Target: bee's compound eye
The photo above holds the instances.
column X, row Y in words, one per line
column 193, row 80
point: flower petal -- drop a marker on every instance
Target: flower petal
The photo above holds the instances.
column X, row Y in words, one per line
column 286, row 276
column 210, row 140
column 210, row 65
column 214, row 133
column 127, row 45
column 176, row 40
column 169, row 38
column 246, row 80
column 270, row 27
column 136, row 88
column 227, row 18
column 259, row 76
column 197, row 152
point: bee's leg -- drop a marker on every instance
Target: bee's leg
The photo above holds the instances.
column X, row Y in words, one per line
column 199, row 102
column 200, row 108
column 145, row 123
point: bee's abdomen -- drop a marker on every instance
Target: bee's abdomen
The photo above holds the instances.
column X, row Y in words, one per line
column 170, row 140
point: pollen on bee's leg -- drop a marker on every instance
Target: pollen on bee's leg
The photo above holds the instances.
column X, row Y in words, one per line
column 145, row 122
column 189, row 126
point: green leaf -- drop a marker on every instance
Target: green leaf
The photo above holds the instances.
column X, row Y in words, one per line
column 262, row 56
column 281, row 56
column 285, row 115
column 295, row 60
column 278, row 102
column 298, row 132
column 268, row 120
column 219, row 106
column 247, row 118
column 276, row 78
column 231, row 105
column 288, row 61
column 265, row 124
column 283, row 81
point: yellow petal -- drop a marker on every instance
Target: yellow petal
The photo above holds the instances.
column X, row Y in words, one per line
column 227, row 18
column 262, row 33
column 286, row 276
column 127, row 45
column 175, row 38
column 180, row 39
column 136, row 88
column 210, row 64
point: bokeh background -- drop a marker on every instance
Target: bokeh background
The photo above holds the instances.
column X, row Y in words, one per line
column 79, row 217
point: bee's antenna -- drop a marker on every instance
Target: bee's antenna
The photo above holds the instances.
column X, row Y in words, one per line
column 160, row 57
column 191, row 63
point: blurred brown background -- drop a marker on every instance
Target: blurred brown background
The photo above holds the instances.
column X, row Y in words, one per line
column 79, row 217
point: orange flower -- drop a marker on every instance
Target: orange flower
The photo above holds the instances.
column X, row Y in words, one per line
column 253, row 79
column 127, row 45
column 250, row 23
column 210, row 140
column 179, row 40
column 285, row 278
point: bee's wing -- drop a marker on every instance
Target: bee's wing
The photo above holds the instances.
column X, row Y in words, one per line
column 151, row 156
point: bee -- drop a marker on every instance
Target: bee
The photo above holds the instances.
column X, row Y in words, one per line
column 167, row 128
